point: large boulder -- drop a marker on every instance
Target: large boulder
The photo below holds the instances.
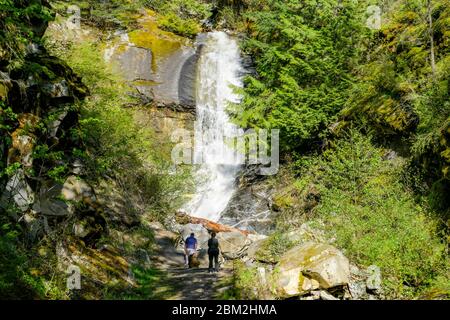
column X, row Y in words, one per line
column 374, row 280
column 50, row 203
column 201, row 234
column 233, row 244
column 18, row 192
column 311, row 266
column 76, row 189
column 57, row 199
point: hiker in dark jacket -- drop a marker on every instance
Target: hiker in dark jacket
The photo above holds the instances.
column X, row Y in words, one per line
column 213, row 253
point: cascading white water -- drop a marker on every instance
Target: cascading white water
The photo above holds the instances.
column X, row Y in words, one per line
column 219, row 69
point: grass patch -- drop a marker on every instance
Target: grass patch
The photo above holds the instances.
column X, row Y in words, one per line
column 152, row 284
column 274, row 246
column 27, row 273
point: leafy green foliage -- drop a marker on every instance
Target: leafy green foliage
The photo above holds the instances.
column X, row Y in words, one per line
column 316, row 64
column 183, row 17
column 397, row 90
column 186, row 9
column 19, row 21
column 244, row 283
column 304, row 53
column 173, row 23
column 103, row 14
column 374, row 218
column 7, row 120
column 24, row 273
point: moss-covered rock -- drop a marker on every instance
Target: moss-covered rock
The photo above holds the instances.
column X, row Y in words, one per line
column 44, row 81
column 159, row 64
column 5, row 86
column 150, row 36
column 100, row 268
column 311, row 265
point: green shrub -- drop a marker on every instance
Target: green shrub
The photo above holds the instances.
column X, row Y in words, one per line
column 109, row 14
column 274, row 246
column 182, row 17
column 304, row 55
column 23, row 273
column 184, row 27
column 374, row 219
column 185, row 9
column 245, row 280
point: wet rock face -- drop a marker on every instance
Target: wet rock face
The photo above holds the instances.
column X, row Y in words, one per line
column 251, row 206
column 135, row 64
column 172, row 82
column 158, row 64
column 249, row 209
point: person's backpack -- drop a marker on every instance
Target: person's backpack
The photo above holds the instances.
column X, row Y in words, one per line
column 193, row 261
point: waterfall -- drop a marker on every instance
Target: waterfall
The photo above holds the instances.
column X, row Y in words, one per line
column 219, row 69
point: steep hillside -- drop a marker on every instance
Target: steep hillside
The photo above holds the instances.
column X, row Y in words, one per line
column 94, row 94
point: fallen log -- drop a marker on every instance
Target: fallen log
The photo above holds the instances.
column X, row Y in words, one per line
column 184, row 218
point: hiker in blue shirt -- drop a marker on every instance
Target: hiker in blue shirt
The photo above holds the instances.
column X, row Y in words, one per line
column 190, row 248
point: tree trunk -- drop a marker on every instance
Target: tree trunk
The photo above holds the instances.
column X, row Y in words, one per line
column 430, row 32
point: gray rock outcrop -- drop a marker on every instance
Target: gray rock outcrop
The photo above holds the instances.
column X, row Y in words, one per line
column 311, row 266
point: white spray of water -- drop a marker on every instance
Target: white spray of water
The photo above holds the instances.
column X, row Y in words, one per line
column 219, row 71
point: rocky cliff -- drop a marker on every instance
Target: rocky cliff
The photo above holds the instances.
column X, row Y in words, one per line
column 39, row 121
